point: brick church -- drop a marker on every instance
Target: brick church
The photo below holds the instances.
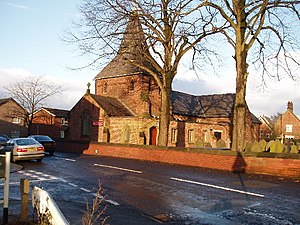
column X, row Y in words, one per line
column 126, row 107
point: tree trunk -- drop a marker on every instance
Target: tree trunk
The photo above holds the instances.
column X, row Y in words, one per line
column 164, row 121
column 240, row 106
column 239, row 119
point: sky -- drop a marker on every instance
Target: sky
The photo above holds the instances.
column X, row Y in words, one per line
column 31, row 45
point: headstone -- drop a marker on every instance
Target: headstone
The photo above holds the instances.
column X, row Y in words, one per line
column 276, row 147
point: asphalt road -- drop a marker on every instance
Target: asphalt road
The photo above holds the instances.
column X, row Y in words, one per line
column 151, row 193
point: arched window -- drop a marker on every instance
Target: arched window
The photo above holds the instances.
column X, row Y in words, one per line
column 86, row 123
column 104, row 90
column 127, row 135
column 131, row 86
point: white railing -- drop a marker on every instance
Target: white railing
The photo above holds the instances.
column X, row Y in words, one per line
column 42, row 201
column 4, row 173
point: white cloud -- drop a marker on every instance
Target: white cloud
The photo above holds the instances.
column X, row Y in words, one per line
column 15, row 5
column 73, row 90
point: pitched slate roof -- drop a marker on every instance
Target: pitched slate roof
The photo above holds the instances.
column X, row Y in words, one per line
column 4, row 100
column 57, row 112
column 217, row 105
column 132, row 48
column 112, row 106
column 205, row 106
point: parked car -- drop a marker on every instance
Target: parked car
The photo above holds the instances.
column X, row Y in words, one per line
column 24, row 149
column 48, row 143
column 3, row 140
column 5, row 136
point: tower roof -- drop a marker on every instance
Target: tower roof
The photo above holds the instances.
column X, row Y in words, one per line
column 132, row 48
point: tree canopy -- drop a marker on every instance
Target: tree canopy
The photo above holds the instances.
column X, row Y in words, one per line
column 32, row 93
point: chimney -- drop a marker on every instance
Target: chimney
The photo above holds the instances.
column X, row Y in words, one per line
column 290, row 106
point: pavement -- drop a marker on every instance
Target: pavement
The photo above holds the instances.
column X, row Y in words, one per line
column 74, row 212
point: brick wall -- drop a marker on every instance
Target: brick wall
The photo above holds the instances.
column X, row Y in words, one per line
column 8, row 111
column 136, row 98
column 288, row 118
column 221, row 160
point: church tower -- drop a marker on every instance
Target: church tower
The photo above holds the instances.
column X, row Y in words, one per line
column 123, row 80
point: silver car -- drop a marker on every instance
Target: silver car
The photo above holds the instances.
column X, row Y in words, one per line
column 25, row 149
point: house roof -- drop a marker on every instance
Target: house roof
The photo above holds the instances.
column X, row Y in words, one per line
column 205, row 106
column 133, row 48
column 112, row 106
column 57, row 112
column 217, row 105
column 4, row 100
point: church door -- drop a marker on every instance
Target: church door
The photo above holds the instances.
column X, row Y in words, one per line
column 153, row 135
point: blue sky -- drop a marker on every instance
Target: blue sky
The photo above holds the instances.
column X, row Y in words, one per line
column 30, row 45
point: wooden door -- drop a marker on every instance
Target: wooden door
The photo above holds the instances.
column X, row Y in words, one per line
column 153, row 135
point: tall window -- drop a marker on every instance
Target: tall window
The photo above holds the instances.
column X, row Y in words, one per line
column 174, row 135
column 104, row 89
column 127, row 135
column 86, row 123
column 191, row 136
column 289, row 128
column 131, row 86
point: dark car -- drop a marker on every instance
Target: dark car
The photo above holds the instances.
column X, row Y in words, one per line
column 3, row 140
column 48, row 143
column 5, row 136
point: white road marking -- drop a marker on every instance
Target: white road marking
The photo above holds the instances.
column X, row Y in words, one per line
column 112, row 202
column 85, row 190
column 118, row 168
column 217, row 187
column 66, row 159
column 73, row 185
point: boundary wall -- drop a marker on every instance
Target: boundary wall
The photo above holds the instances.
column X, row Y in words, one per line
column 281, row 165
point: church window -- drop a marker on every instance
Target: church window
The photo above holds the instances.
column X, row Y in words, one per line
column 191, row 136
column 174, row 135
column 104, row 90
column 127, row 135
column 131, row 86
column 86, row 123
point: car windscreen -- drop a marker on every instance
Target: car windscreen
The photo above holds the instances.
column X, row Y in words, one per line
column 28, row 141
column 2, row 139
column 43, row 138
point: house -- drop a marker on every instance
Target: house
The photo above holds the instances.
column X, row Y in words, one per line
column 266, row 128
column 126, row 106
column 12, row 122
column 287, row 126
column 50, row 121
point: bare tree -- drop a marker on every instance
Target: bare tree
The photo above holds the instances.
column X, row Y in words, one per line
column 171, row 28
column 32, row 93
column 264, row 29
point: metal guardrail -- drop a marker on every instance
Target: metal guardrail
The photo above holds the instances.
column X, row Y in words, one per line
column 43, row 202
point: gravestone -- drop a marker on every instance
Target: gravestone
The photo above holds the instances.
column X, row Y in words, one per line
column 276, row 147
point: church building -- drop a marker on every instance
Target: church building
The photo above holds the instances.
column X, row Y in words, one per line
column 126, row 106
